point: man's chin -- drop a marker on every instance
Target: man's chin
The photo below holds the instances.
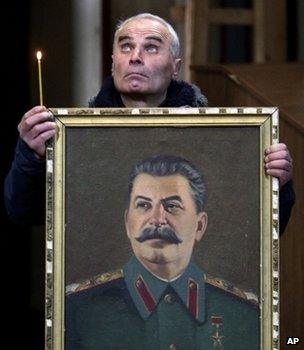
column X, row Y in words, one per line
column 135, row 86
column 135, row 90
column 156, row 258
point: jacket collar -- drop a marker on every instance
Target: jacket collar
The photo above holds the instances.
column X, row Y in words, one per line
column 147, row 291
column 179, row 94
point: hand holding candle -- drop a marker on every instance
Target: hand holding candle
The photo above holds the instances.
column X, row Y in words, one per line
column 39, row 56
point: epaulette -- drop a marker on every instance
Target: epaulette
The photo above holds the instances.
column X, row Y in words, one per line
column 94, row 281
column 231, row 289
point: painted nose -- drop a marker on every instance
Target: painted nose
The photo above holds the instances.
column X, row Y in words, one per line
column 136, row 57
column 158, row 216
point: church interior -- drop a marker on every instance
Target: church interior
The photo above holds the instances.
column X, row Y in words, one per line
column 239, row 52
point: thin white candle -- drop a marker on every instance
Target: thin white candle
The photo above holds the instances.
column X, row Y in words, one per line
column 39, row 56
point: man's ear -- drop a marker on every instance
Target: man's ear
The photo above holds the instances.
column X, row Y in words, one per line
column 126, row 221
column 201, row 225
column 176, row 68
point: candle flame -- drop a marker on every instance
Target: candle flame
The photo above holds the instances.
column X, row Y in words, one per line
column 39, row 55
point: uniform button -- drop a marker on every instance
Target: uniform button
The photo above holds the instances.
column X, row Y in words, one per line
column 138, row 283
column 192, row 285
column 169, row 299
column 173, row 347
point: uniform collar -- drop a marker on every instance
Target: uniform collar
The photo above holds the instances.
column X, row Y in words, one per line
column 146, row 290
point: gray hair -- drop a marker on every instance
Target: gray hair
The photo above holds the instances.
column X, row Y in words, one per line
column 165, row 165
column 174, row 45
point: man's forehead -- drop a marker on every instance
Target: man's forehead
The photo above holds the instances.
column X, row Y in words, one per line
column 144, row 27
column 153, row 185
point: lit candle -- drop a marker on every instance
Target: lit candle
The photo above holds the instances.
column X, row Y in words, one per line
column 39, row 56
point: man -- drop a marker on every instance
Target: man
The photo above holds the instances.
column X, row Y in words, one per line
column 162, row 299
column 144, row 71
column 145, row 67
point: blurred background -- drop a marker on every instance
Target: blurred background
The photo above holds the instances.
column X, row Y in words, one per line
column 240, row 52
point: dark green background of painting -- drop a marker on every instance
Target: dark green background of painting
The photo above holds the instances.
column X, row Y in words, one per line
column 98, row 161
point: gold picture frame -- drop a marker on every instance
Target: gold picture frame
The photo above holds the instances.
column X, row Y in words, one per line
column 87, row 166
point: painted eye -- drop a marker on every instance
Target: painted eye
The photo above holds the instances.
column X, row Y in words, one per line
column 143, row 205
column 172, row 207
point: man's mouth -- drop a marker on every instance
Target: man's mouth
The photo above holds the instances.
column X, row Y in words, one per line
column 136, row 74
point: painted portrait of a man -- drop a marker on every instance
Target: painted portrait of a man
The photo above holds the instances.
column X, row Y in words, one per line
column 161, row 298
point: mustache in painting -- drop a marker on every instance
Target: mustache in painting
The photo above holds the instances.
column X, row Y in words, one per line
column 164, row 233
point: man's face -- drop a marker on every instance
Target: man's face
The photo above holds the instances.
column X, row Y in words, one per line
column 142, row 59
column 163, row 202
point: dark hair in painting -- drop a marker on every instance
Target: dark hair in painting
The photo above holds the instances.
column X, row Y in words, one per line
column 165, row 165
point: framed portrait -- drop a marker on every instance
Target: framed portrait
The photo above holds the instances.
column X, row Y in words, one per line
column 114, row 173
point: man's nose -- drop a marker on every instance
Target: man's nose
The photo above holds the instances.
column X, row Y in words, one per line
column 136, row 56
column 158, row 216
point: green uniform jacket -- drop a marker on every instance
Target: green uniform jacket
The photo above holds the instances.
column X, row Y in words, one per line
column 132, row 309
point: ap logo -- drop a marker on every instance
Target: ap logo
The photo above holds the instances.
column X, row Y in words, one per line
column 292, row 340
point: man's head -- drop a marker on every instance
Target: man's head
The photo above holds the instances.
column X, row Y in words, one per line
column 165, row 213
column 145, row 57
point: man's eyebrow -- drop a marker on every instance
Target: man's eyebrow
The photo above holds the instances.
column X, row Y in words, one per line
column 152, row 37
column 124, row 37
column 143, row 197
column 172, row 198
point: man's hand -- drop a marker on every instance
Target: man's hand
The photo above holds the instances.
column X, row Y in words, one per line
column 35, row 128
column 278, row 162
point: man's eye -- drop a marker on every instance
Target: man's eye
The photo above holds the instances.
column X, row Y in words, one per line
column 143, row 205
column 125, row 47
column 172, row 207
column 152, row 48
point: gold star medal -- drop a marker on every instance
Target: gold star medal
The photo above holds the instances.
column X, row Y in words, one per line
column 217, row 339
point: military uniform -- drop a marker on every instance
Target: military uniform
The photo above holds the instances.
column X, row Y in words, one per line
column 133, row 309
